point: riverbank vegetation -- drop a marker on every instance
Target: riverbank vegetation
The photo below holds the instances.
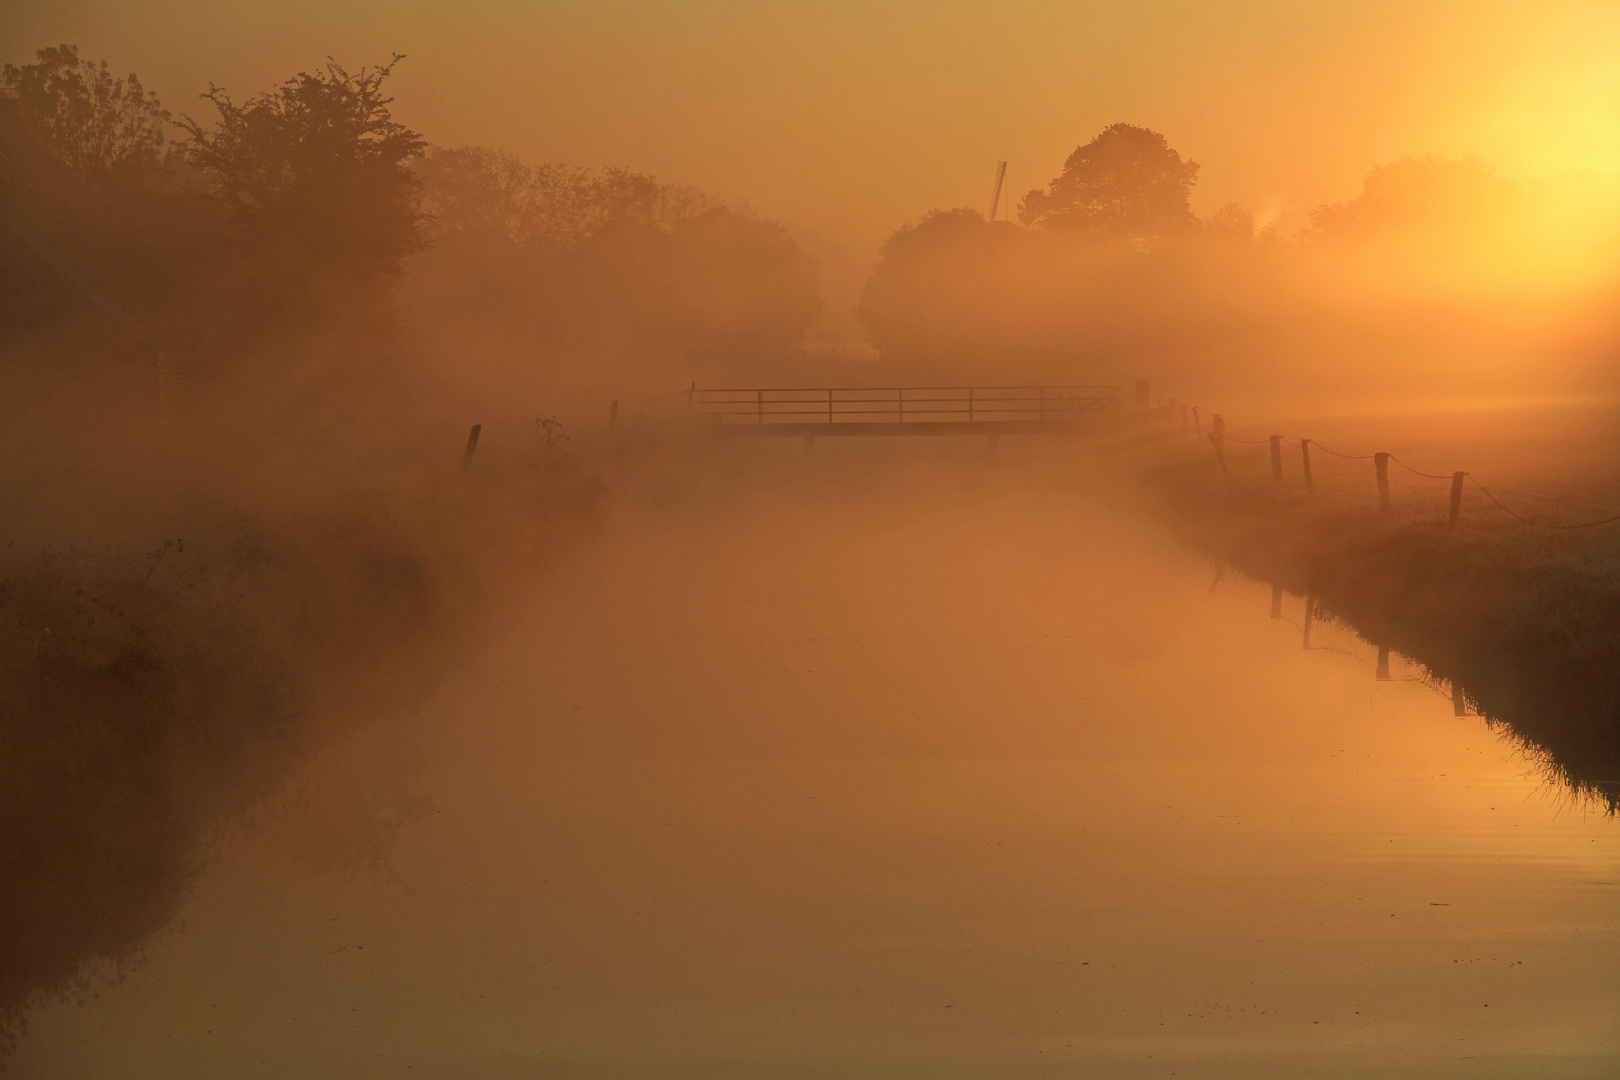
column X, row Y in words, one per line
column 1441, row 281
column 241, row 350
column 1524, row 619
column 239, row 520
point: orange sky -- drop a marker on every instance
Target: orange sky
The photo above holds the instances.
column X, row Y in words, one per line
column 844, row 118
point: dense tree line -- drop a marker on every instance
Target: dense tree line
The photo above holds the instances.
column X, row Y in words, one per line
column 1110, row 271
column 298, row 211
column 606, row 265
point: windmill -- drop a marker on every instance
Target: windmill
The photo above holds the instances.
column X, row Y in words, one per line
column 995, row 193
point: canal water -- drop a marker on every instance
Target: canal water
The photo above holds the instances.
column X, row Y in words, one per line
column 892, row 764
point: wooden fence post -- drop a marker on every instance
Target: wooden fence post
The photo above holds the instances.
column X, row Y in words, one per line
column 1456, row 498
column 1198, row 424
column 1184, row 418
column 1276, row 601
column 1381, row 467
column 1276, row 458
column 1220, row 457
column 613, row 416
column 472, row 447
column 1459, row 706
column 1141, row 393
column 1217, row 426
column 1305, row 458
column 1310, row 609
column 1382, row 674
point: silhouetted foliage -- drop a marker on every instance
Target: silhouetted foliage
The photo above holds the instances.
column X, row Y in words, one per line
column 319, row 165
column 476, row 191
column 1231, row 222
column 610, row 262
column 94, row 124
column 1125, row 184
column 1114, row 265
column 1418, row 195
column 933, row 277
column 98, row 225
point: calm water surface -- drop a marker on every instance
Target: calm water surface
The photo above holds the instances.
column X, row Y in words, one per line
column 925, row 776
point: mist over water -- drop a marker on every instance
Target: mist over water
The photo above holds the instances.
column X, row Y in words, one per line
column 407, row 671
column 904, row 764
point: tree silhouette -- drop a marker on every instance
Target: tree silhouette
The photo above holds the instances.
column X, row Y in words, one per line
column 1426, row 194
column 487, row 192
column 93, row 124
column 1125, row 184
column 317, row 164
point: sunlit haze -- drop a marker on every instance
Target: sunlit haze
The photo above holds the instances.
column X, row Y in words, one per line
column 777, row 540
column 844, row 119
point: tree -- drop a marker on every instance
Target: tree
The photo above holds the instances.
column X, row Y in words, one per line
column 742, row 286
column 1125, row 184
column 93, row 124
column 1432, row 195
column 488, row 193
column 317, row 165
column 926, row 297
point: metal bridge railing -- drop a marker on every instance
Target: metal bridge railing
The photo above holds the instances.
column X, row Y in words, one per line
column 897, row 404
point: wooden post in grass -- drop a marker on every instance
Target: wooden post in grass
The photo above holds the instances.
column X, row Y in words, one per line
column 1382, row 674
column 1276, row 601
column 1276, row 458
column 1305, row 458
column 1456, row 499
column 472, row 447
column 1459, row 707
column 1215, row 441
column 1184, row 418
column 1381, row 466
column 1217, row 427
column 1198, row 424
column 1310, row 606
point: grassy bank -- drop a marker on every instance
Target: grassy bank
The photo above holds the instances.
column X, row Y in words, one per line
column 1525, row 620
column 165, row 676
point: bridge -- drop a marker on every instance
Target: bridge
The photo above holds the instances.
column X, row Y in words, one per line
column 813, row 413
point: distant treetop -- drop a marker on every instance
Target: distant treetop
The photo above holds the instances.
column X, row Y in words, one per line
column 95, row 125
column 318, row 162
column 1126, row 184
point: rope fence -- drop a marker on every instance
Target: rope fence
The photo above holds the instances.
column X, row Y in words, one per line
column 1218, row 438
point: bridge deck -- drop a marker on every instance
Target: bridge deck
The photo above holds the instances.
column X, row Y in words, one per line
column 841, row 412
column 825, row 430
